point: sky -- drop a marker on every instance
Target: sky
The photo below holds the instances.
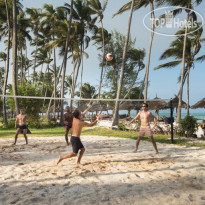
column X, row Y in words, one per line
column 163, row 82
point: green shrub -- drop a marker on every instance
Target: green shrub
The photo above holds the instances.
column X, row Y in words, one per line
column 187, row 126
column 121, row 126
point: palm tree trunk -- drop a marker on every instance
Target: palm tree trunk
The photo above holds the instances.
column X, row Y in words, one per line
column 131, row 86
column 71, row 93
column 81, row 76
column 34, row 68
column 54, row 67
column 14, row 56
column 65, row 61
column 188, row 90
column 116, row 112
column 7, row 67
column 150, row 48
column 21, row 66
column 76, row 76
column 182, row 72
column 103, row 45
column 57, row 81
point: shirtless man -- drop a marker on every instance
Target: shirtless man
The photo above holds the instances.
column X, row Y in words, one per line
column 145, row 116
column 75, row 138
column 22, row 118
column 68, row 120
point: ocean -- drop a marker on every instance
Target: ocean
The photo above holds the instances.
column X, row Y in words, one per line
column 199, row 116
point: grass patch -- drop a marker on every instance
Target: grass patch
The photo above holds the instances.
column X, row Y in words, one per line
column 59, row 131
column 133, row 135
column 46, row 132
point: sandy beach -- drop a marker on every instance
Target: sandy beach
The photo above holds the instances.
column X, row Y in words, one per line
column 111, row 173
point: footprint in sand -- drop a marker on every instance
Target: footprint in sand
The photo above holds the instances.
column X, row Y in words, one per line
column 203, row 198
column 190, row 197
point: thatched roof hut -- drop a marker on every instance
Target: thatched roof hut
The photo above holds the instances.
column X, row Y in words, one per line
column 157, row 104
column 175, row 102
column 82, row 107
column 130, row 105
column 199, row 104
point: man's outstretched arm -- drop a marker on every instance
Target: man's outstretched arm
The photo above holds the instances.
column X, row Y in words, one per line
column 134, row 119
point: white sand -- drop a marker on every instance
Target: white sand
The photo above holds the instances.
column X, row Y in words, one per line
column 111, row 173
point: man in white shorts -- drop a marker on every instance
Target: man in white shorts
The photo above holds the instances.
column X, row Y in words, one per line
column 144, row 117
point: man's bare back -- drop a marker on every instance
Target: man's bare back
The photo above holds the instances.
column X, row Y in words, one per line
column 78, row 125
column 75, row 138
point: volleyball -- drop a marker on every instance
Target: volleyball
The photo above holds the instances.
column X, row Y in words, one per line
column 108, row 57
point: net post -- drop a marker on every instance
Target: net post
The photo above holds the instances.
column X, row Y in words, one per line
column 171, row 116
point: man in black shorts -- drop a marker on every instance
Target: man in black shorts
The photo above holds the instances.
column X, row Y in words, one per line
column 76, row 129
column 22, row 118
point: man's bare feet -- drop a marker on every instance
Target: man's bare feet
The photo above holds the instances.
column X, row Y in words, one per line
column 157, row 152
column 79, row 164
column 59, row 160
column 14, row 144
column 135, row 151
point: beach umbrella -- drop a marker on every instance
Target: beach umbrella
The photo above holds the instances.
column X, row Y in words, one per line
column 97, row 107
column 158, row 104
column 175, row 102
column 130, row 105
column 199, row 104
column 82, row 107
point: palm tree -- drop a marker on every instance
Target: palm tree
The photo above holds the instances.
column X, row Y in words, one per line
column 65, row 58
column 97, row 8
column 35, row 16
column 193, row 46
column 23, row 35
column 83, row 23
column 14, row 56
column 7, row 64
column 52, row 17
column 188, row 4
column 116, row 112
column 87, row 91
column 138, row 4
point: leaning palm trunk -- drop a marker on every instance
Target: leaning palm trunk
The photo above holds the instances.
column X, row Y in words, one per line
column 81, row 76
column 131, row 86
column 150, row 48
column 76, row 76
column 34, row 68
column 14, row 56
column 54, row 67
column 65, row 61
column 71, row 90
column 188, row 90
column 116, row 111
column 182, row 73
column 7, row 67
column 21, row 66
column 103, row 55
column 57, row 81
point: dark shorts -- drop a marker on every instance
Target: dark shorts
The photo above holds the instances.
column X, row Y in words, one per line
column 76, row 144
column 23, row 127
column 68, row 125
